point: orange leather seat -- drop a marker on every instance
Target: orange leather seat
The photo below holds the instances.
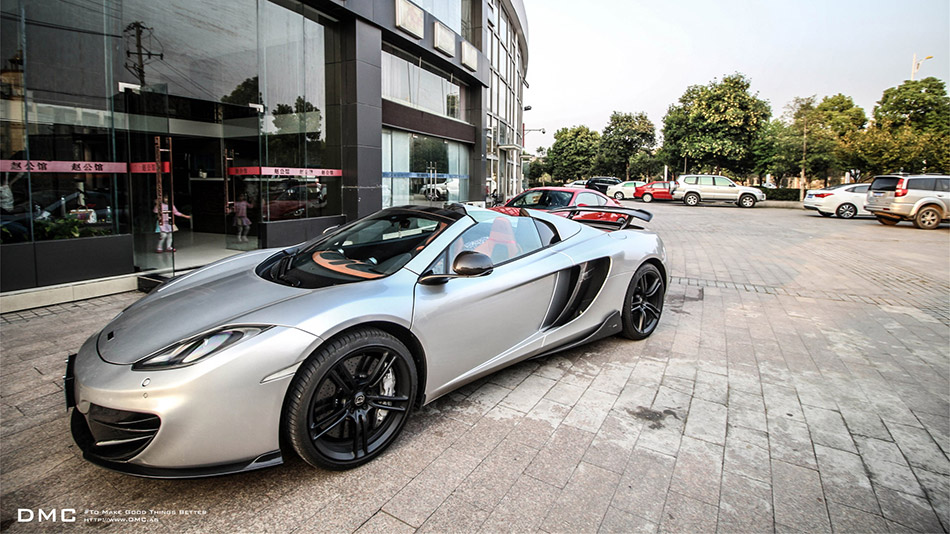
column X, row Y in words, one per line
column 500, row 245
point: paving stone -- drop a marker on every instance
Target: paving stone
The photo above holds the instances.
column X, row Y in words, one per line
column 790, row 441
column 560, row 455
column 745, row 505
column 565, row 394
column 937, row 488
column 798, row 497
column 454, row 515
column 582, row 504
column 383, row 523
column 536, row 427
column 707, row 421
column 415, row 502
column 683, row 514
column 643, row 487
column 747, row 454
column 844, row 481
column 590, row 410
column 846, row 519
column 919, row 448
column 612, row 445
column 827, row 428
column 492, row 479
column 611, row 379
column 528, row 392
column 523, row 509
column 908, row 510
column 620, row 522
column 698, row 470
column 482, row 437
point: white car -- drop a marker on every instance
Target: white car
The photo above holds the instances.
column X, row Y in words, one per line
column 845, row 200
column 577, row 183
column 624, row 189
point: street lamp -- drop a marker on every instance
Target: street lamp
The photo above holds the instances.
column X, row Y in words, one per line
column 915, row 65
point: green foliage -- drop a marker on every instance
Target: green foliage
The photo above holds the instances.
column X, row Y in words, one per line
column 781, row 194
column 839, row 114
column 644, row 165
column 714, row 126
column 66, row 228
column 247, row 92
column 922, row 104
column 571, row 157
column 886, row 148
column 625, row 135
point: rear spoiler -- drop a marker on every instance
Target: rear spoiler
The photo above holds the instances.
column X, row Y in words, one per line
column 628, row 213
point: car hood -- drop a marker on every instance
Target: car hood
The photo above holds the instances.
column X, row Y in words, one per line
column 212, row 296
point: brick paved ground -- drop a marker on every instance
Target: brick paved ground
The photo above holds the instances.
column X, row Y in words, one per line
column 798, row 382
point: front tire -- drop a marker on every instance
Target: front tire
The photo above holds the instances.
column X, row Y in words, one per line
column 618, row 195
column 846, row 211
column 691, row 199
column 647, row 197
column 350, row 399
column 927, row 218
column 643, row 303
column 747, row 201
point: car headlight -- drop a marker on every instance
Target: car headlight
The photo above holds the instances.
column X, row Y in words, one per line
column 197, row 348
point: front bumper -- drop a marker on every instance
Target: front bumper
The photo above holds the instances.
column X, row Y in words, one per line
column 221, row 415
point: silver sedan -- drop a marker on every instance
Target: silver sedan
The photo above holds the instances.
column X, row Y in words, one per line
column 324, row 349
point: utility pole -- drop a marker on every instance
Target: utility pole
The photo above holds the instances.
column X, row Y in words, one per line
column 142, row 53
column 801, row 185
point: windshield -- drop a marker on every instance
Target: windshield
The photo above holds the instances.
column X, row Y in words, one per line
column 544, row 199
column 370, row 248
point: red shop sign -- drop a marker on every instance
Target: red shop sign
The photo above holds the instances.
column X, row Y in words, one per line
column 282, row 171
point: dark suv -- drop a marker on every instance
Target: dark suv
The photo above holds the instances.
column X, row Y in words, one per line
column 601, row 183
column 921, row 199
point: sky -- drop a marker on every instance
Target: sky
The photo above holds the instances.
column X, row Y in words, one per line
column 588, row 59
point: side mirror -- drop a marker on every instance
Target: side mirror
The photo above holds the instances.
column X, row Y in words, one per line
column 732, row 185
column 468, row 264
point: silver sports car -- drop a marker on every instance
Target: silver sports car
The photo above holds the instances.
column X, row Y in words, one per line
column 326, row 347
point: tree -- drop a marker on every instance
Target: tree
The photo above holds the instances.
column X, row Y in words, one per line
column 644, row 165
column 886, row 148
column 625, row 135
column 921, row 104
column 296, row 141
column 714, row 126
column 839, row 114
column 572, row 154
column 247, row 92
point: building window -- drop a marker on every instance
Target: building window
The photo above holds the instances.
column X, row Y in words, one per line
column 420, row 168
column 412, row 82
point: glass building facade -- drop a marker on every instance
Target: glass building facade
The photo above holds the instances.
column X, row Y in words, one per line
column 264, row 121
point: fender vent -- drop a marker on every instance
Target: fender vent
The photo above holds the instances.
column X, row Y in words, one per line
column 584, row 281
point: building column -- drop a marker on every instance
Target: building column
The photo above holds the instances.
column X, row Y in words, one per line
column 362, row 118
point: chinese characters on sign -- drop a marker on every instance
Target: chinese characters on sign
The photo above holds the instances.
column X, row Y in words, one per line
column 8, row 165
column 148, row 167
column 282, row 171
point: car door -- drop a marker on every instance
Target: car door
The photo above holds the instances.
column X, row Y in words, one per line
column 707, row 188
column 725, row 188
column 942, row 190
column 468, row 326
column 856, row 195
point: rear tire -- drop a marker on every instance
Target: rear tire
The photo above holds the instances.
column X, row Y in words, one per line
column 647, row 197
column 887, row 221
column 846, row 211
column 927, row 218
column 643, row 303
column 350, row 399
column 691, row 199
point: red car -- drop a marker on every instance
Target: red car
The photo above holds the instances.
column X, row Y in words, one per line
column 654, row 191
column 549, row 198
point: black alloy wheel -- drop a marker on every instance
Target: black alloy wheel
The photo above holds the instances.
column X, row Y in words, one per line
column 846, row 211
column 927, row 218
column 643, row 303
column 350, row 399
column 647, row 197
column 691, row 199
column 887, row 221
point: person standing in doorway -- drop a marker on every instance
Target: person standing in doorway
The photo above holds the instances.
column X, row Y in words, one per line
column 166, row 224
column 241, row 220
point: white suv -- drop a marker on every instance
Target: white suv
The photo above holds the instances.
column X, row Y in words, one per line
column 695, row 188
